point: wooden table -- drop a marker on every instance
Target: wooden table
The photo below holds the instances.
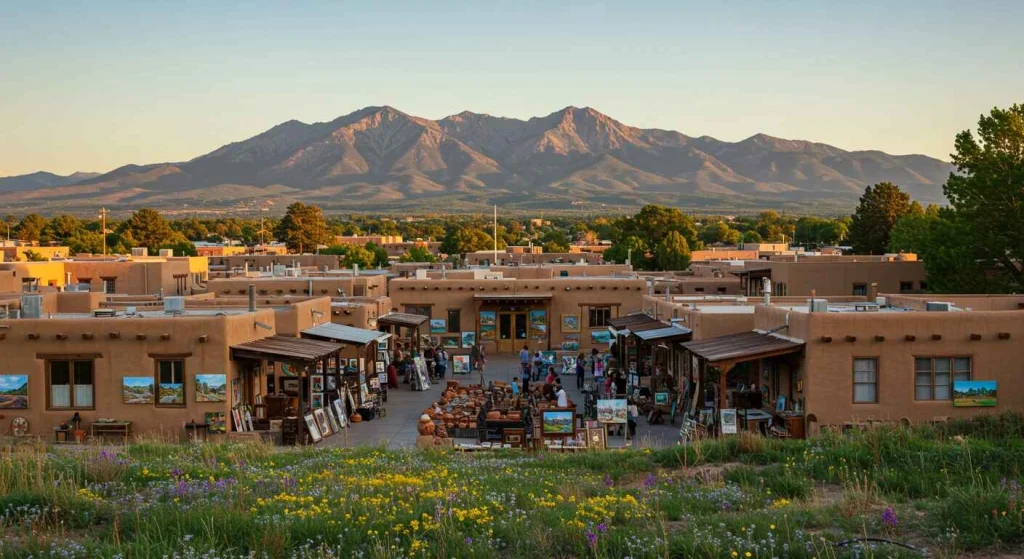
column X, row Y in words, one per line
column 120, row 428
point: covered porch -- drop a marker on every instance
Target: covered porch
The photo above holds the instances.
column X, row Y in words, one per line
column 399, row 323
column 507, row 323
column 751, row 377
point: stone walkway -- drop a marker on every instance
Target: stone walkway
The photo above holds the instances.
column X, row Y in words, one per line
column 404, row 407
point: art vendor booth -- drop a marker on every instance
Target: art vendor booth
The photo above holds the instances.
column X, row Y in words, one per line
column 648, row 352
column 405, row 330
column 364, row 361
column 743, row 381
column 292, row 386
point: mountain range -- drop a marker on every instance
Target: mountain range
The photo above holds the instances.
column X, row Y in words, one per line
column 381, row 159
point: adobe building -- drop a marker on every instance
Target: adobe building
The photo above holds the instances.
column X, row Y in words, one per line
column 834, row 275
column 134, row 276
column 20, row 251
column 556, row 313
column 328, row 284
column 524, row 256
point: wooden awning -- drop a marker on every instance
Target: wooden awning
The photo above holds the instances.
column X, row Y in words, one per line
column 406, row 320
column 285, row 348
column 329, row 331
column 745, row 346
column 664, row 334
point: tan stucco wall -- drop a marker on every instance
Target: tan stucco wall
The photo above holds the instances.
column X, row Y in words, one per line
column 372, row 286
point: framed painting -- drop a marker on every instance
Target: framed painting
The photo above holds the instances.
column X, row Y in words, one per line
column 571, row 342
column 322, row 422
column 570, row 323
column 134, row 390
column 450, row 342
column 558, row 422
column 317, row 401
column 314, row 432
column 661, row 398
column 290, row 386
column 217, row 421
column 316, row 383
column 379, row 367
column 597, row 438
column 438, row 326
column 538, row 324
column 602, row 337
column 460, row 364
column 212, row 388
column 611, row 411
column 974, row 393
column 339, row 412
column 468, row 340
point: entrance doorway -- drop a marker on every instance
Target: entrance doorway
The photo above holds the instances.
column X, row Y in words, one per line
column 512, row 331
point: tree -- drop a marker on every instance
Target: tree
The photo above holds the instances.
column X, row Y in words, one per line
column 556, row 240
column 86, row 242
column 718, row 233
column 359, row 255
column 192, row 229
column 654, row 222
column 61, row 228
column 912, row 232
column 621, row 251
column 181, row 247
column 987, row 194
column 672, row 253
column 147, row 228
column 380, row 256
column 303, row 228
column 30, row 228
column 879, row 209
column 752, row 237
column 417, row 254
column 461, row 240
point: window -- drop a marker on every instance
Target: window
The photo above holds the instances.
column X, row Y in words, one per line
column 860, row 289
column 698, row 289
column 170, row 382
column 70, row 383
column 780, row 289
column 923, row 285
column 721, row 290
column 420, row 310
column 359, row 290
column 454, row 320
column 865, row 380
column 599, row 316
column 906, row 286
column 933, row 376
column 109, row 285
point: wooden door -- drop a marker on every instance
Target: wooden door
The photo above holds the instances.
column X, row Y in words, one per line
column 506, row 339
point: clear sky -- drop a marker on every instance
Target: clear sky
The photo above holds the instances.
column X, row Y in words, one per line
column 94, row 85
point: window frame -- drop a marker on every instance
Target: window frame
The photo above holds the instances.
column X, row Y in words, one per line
column 71, row 383
column 156, row 382
column 414, row 309
column 853, row 379
column 112, row 282
column 862, row 286
column 906, row 286
column 952, row 375
column 454, row 325
column 590, row 315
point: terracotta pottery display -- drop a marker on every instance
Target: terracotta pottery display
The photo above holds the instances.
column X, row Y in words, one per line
column 426, row 426
column 356, row 418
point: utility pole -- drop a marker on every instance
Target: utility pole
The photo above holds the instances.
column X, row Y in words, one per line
column 495, row 261
column 103, row 228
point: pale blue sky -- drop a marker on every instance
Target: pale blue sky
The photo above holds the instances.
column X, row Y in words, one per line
column 95, row 85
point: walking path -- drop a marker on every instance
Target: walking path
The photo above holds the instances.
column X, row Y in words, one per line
column 398, row 428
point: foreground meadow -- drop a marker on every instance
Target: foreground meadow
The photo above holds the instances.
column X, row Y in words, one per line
column 950, row 491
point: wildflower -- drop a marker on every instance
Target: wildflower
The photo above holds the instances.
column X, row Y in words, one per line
column 469, row 541
column 608, row 481
column 603, row 528
column 650, row 480
column 747, row 554
column 771, row 526
column 889, row 517
column 591, row 539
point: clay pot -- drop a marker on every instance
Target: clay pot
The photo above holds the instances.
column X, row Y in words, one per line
column 494, row 415
column 514, row 416
column 425, row 426
column 441, row 432
column 356, row 418
column 463, row 424
column 472, row 425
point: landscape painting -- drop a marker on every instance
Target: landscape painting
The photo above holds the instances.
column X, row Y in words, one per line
column 558, row 422
column 611, row 411
column 217, row 421
column 438, row 326
column 974, row 393
column 600, row 336
column 137, row 390
column 212, row 388
column 570, row 323
column 460, row 364
column 538, row 325
column 14, row 392
column 468, row 340
column 450, row 342
column 172, row 393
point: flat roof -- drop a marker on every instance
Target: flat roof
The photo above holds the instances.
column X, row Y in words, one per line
column 402, row 319
column 744, row 346
column 342, row 333
column 286, row 347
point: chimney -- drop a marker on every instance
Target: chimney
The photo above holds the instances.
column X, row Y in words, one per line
column 873, row 292
column 668, row 293
column 355, row 270
column 252, row 298
column 766, row 290
column 310, row 292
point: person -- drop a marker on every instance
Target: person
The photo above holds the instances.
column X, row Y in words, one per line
column 474, row 357
column 548, row 391
column 632, row 412
column 581, row 370
column 608, row 386
column 620, row 384
column 482, row 356
column 515, row 386
column 563, row 398
column 594, row 359
column 392, row 376
column 538, row 365
column 429, row 355
column 550, row 379
column 526, row 382
column 441, row 363
column 524, row 360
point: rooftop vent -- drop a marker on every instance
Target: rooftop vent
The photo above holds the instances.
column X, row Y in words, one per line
column 104, row 312
column 865, row 307
column 818, row 305
column 174, row 305
column 938, row 306
column 31, row 306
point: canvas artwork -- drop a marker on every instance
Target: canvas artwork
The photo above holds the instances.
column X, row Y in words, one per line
column 538, row 324
column 570, row 323
column 290, row 386
column 974, row 393
column 438, row 326
column 135, row 390
column 568, row 364
column 600, row 336
column 558, row 422
column 322, row 422
column 331, row 382
column 728, row 421
column 314, row 432
column 332, row 419
column 611, row 411
column 597, row 438
column 236, row 417
column 217, row 421
column 379, row 367
column 461, row 364
column 353, row 364
column 571, row 342
column 289, row 370
column 661, row 398
column 548, row 357
column 317, row 401
column 211, row 388
column 172, row 393
column 316, row 383
column 468, row 340
column 339, row 411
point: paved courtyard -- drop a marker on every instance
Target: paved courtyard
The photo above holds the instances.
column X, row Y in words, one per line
column 404, row 407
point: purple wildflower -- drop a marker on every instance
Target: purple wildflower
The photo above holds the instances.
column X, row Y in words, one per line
column 591, row 539
column 650, row 480
column 889, row 517
column 469, row 541
column 602, row 527
column 608, row 481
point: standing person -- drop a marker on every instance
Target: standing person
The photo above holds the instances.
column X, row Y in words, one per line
column 550, row 379
column 581, row 370
column 524, row 361
column 608, row 387
column 441, row 363
column 515, row 386
column 474, row 357
column 526, row 384
column 483, row 358
column 392, row 376
column 538, row 365
column 563, row 398
column 429, row 355
column 620, row 384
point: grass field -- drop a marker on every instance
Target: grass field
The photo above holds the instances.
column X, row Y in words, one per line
column 951, row 490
